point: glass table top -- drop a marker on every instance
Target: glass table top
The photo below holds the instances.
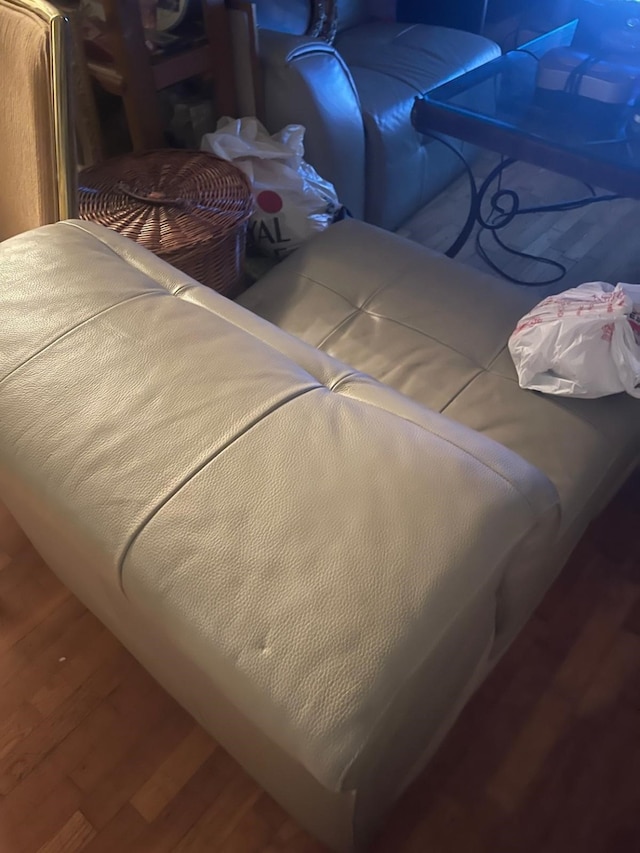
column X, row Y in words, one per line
column 502, row 95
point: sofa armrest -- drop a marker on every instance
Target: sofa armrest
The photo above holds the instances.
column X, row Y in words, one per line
column 306, row 82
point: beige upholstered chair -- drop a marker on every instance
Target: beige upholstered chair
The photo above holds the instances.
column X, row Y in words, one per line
column 37, row 157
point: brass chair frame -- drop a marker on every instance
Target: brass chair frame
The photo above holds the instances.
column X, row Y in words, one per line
column 63, row 133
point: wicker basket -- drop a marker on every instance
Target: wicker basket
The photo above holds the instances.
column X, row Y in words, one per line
column 188, row 207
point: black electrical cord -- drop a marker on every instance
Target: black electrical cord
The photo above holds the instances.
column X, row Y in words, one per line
column 574, row 80
column 500, row 217
column 524, row 50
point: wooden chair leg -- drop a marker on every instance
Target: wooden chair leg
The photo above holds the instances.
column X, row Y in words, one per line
column 132, row 60
column 145, row 127
column 89, row 137
column 216, row 20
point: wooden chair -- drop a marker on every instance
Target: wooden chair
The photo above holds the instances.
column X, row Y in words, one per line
column 137, row 76
column 244, row 37
column 37, row 164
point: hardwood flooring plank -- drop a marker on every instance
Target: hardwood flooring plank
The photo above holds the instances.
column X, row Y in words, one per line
column 487, row 730
column 23, row 569
column 115, row 787
column 135, row 706
column 590, row 241
column 74, row 667
column 173, row 774
column 300, row 842
column 281, row 828
column 24, row 675
column 632, row 622
column 620, row 665
column 120, row 834
column 65, row 736
column 41, row 640
column 285, row 835
column 594, row 642
column 603, row 784
column 36, row 810
column 547, row 723
column 14, row 729
column 572, row 603
column 251, row 834
column 189, row 805
column 12, row 540
column 223, row 816
column 28, row 597
column 74, row 836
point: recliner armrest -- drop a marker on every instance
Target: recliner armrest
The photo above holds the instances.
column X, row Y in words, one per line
column 281, row 48
column 307, row 82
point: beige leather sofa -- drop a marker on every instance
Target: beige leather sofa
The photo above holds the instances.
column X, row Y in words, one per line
column 318, row 537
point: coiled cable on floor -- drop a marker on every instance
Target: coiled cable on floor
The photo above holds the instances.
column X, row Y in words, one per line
column 504, row 208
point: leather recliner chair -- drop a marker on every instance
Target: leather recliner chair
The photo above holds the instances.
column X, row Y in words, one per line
column 355, row 96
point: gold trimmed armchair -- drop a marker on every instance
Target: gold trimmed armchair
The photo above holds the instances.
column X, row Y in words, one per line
column 37, row 160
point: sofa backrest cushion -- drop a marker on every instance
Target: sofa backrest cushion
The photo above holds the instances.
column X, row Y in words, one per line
column 296, row 16
column 352, row 12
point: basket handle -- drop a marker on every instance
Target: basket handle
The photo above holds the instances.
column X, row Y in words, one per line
column 153, row 197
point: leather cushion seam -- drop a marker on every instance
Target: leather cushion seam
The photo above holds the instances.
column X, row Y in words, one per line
column 129, row 261
column 186, row 479
column 373, row 314
column 72, row 329
column 403, row 325
column 469, row 453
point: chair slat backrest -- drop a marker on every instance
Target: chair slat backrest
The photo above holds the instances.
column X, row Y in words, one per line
column 37, row 152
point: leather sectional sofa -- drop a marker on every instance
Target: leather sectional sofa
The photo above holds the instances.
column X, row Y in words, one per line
column 317, row 517
column 354, row 97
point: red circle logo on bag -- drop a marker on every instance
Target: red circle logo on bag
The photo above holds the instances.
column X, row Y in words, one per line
column 269, row 201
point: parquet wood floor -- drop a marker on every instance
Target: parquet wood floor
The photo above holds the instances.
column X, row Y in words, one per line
column 600, row 242
column 95, row 757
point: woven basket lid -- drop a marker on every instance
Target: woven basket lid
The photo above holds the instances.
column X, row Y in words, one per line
column 166, row 199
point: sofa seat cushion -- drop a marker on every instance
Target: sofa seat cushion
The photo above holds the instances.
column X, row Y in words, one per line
column 391, row 64
column 437, row 331
column 419, row 55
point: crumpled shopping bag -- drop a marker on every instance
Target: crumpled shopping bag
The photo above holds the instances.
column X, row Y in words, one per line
column 292, row 202
column 584, row 342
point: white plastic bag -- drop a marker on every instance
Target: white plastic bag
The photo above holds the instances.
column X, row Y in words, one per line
column 292, row 201
column 584, row 342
